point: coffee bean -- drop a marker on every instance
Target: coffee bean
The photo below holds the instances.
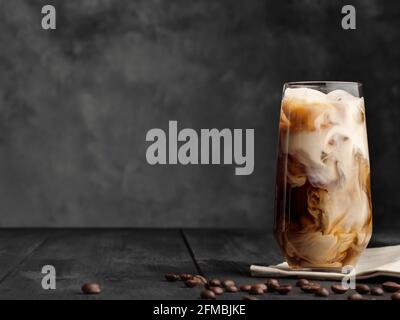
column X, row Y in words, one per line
column 363, row 289
column 245, row 287
column 228, row 283
column 355, row 296
column 284, row 289
column 338, row 288
column 217, row 290
column 322, row 292
column 302, row 282
column 391, row 286
column 395, row 296
column 232, row 289
column 91, row 288
column 215, row 283
column 271, row 280
column 171, row 277
column 185, row 276
column 256, row 290
column 376, row 291
column 261, row 285
column 272, row 284
column 192, row 283
column 207, row 295
column 314, row 284
column 310, row 288
column 201, row 278
column 250, row 298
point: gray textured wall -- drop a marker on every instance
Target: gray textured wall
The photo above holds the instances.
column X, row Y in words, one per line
column 76, row 103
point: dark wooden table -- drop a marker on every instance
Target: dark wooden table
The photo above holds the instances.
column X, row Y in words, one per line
column 131, row 263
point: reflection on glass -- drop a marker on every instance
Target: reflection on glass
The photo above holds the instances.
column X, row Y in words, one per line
column 323, row 213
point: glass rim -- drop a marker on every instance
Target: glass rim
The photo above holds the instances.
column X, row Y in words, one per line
column 321, row 83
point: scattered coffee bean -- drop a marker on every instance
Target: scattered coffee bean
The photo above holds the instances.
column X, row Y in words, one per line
column 217, row 290
column 310, row 288
column 91, row 288
column 391, row 286
column 355, row 296
column 245, row 287
column 272, row 284
column 314, row 284
column 322, row 292
column 232, row 289
column 284, row 289
column 185, row 276
column 261, row 285
column 192, row 283
column 207, row 286
column 376, row 291
column 363, row 289
column 171, row 277
column 302, row 282
column 207, row 295
column 338, row 288
column 256, row 290
column 250, row 298
column 228, row 283
column 395, row 296
column 201, row 278
column 215, row 283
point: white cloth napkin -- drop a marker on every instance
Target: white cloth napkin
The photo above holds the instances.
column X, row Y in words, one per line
column 384, row 261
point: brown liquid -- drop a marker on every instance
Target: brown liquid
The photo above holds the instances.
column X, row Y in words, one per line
column 323, row 207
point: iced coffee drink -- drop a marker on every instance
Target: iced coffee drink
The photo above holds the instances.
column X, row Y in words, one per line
column 323, row 200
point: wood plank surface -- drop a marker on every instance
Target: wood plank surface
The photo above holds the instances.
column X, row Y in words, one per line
column 16, row 248
column 229, row 254
column 129, row 264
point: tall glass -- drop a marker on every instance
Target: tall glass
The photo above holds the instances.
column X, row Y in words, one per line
column 323, row 211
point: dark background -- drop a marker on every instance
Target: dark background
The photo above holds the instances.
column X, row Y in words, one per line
column 77, row 102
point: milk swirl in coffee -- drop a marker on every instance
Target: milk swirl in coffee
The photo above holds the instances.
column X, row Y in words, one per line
column 323, row 201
